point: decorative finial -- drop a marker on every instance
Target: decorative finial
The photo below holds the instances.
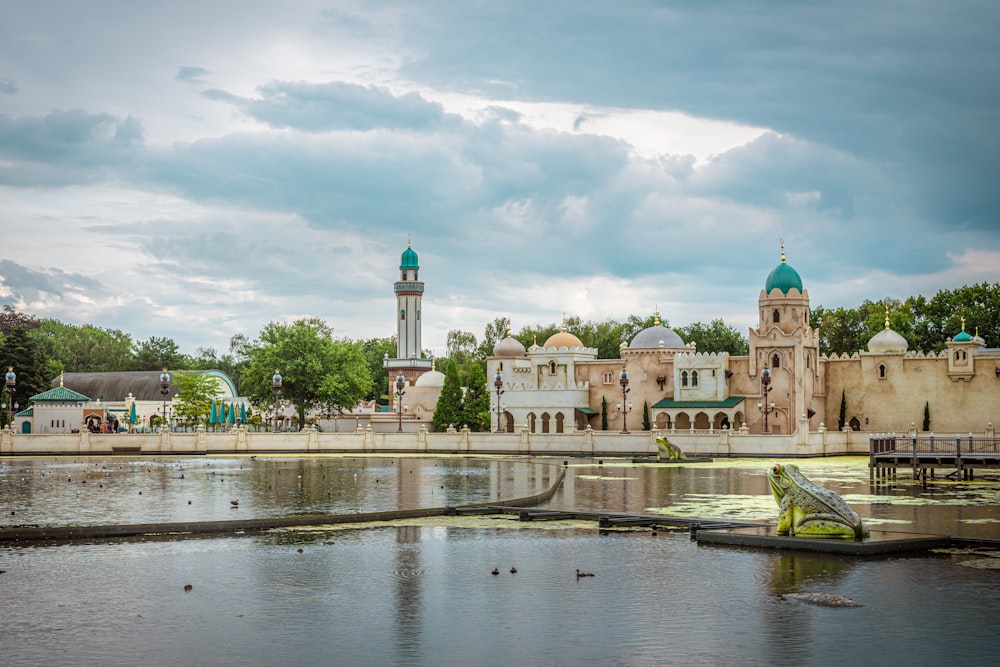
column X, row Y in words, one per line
column 508, row 329
column 433, row 362
column 886, row 316
column 963, row 322
column 408, row 239
column 656, row 319
column 60, row 379
column 782, row 241
column 564, row 323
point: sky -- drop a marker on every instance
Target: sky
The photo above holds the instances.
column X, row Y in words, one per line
column 196, row 170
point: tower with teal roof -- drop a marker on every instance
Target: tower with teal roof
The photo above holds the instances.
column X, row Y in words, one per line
column 409, row 361
column 786, row 345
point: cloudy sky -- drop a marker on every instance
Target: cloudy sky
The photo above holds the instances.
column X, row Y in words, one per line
column 195, row 170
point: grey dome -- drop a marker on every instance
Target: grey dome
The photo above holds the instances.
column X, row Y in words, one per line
column 657, row 336
column 508, row 347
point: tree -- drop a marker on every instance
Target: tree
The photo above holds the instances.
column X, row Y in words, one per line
column 462, row 350
column 476, row 402
column 158, row 352
column 375, row 350
column 449, row 406
column 24, row 349
column 927, row 416
column 645, row 416
column 88, row 348
column 195, row 394
column 842, row 419
column 314, row 368
column 604, row 413
column 715, row 337
column 494, row 332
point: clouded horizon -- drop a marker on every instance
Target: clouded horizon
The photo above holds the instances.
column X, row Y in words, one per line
column 196, row 170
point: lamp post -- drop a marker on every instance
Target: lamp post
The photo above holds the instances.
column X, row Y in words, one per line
column 276, row 387
column 400, row 383
column 164, row 390
column 498, row 383
column 765, row 406
column 11, row 379
column 625, row 406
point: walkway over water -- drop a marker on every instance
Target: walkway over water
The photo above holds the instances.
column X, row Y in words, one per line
column 963, row 455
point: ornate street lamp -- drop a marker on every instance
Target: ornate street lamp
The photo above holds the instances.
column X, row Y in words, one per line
column 11, row 379
column 400, row 383
column 498, row 383
column 625, row 406
column 276, row 386
column 164, row 390
column 765, row 406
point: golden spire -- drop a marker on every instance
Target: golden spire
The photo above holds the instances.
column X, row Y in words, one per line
column 886, row 316
column 963, row 322
column 564, row 324
column 656, row 320
column 782, row 241
column 60, row 379
column 408, row 243
column 433, row 362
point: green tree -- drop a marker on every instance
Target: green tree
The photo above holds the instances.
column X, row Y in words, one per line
column 927, row 416
column 314, row 367
column 449, row 406
column 375, row 351
column 493, row 333
column 462, row 349
column 158, row 352
column 24, row 349
column 604, row 413
column 715, row 337
column 645, row 416
column 842, row 419
column 476, row 402
column 88, row 348
column 195, row 394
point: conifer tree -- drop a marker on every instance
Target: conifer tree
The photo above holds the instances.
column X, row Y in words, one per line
column 842, row 419
column 604, row 413
column 449, row 405
column 645, row 416
column 927, row 416
column 476, row 403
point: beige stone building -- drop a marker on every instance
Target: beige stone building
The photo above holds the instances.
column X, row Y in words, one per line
column 781, row 386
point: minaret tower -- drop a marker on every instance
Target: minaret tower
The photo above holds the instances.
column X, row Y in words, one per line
column 409, row 361
column 409, row 292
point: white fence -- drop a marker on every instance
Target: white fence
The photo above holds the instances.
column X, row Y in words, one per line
column 577, row 443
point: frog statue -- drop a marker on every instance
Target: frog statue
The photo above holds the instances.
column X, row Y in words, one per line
column 808, row 510
column 668, row 450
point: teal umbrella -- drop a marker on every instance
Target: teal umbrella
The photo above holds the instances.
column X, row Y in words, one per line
column 213, row 417
column 225, row 414
column 243, row 413
column 232, row 414
column 131, row 414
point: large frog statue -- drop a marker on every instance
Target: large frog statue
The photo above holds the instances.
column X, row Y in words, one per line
column 668, row 450
column 808, row 510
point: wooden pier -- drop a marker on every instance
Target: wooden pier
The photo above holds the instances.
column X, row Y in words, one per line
column 925, row 454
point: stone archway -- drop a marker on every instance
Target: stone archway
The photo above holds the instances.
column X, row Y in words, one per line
column 855, row 424
column 559, row 422
column 546, row 417
column 701, row 422
column 683, row 422
column 662, row 421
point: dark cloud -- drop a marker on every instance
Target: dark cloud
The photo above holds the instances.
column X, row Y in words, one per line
column 8, row 86
column 48, row 286
column 191, row 74
column 74, row 136
column 337, row 106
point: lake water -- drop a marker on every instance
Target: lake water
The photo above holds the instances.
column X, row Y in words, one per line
column 422, row 592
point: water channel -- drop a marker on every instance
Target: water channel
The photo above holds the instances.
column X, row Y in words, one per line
column 422, row 592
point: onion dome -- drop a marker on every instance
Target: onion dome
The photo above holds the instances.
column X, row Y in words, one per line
column 508, row 347
column 563, row 339
column 657, row 336
column 783, row 277
column 887, row 341
column 409, row 258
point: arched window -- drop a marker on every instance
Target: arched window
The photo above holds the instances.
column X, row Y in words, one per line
column 418, row 314
column 776, row 317
column 402, row 314
column 559, row 422
column 500, row 367
column 775, row 361
column 694, row 378
column 881, row 371
column 684, row 378
column 552, row 367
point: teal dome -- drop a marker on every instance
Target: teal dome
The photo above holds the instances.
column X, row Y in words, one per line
column 783, row 277
column 409, row 259
column 963, row 337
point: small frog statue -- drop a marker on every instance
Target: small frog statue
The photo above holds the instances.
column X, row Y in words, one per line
column 808, row 510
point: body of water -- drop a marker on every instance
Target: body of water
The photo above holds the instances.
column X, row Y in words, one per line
column 423, row 593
